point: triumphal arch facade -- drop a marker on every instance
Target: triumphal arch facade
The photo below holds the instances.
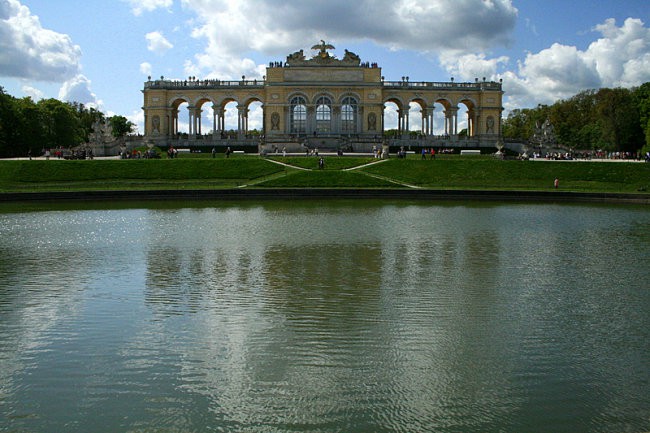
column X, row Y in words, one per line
column 322, row 100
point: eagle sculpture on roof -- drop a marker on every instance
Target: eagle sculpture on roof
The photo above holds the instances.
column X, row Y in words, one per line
column 323, row 47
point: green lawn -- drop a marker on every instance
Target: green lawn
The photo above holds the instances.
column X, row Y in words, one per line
column 331, row 162
column 450, row 172
column 482, row 173
column 326, row 179
column 181, row 173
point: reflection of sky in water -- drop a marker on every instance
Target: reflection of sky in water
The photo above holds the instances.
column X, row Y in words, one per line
column 325, row 317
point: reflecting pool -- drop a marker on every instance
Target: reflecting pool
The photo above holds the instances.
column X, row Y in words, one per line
column 323, row 316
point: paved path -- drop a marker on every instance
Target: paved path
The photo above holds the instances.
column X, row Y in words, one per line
column 379, row 161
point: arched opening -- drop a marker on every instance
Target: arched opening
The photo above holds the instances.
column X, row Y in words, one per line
column 444, row 118
column 231, row 120
column 467, row 124
column 416, row 120
column 180, row 119
column 298, row 115
column 204, row 113
column 323, row 114
column 438, row 123
column 255, row 118
column 349, row 115
column 391, row 118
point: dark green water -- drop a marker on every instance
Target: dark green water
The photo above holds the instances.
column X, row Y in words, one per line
column 325, row 317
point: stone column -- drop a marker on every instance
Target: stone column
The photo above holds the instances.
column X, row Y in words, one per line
column 336, row 119
column 310, row 125
column 190, row 110
column 454, row 113
column 197, row 120
column 406, row 118
column 214, row 120
column 241, row 115
column 360, row 119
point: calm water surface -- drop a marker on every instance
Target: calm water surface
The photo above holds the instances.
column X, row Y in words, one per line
column 324, row 317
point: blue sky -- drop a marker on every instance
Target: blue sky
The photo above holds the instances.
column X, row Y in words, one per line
column 101, row 52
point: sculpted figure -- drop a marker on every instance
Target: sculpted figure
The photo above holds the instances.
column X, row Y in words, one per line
column 298, row 56
column 490, row 125
column 275, row 121
column 351, row 57
column 372, row 122
column 156, row 124
column 322, row 49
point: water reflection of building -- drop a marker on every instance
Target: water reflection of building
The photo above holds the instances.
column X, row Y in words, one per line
column 324, row 102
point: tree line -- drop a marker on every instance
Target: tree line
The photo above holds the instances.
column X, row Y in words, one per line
column 27, row 126
column 616, row 120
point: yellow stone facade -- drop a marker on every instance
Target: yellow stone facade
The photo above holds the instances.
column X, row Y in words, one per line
column 322, row 99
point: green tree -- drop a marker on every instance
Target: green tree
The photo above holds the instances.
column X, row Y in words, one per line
column 618, row 115
column 8, row 122
column 121, row 126
column 642, row 97
column 62, row 126
column 87, row 117
column 30, row 130
column 574, row 120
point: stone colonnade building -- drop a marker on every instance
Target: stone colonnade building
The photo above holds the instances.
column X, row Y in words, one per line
column 321, row 101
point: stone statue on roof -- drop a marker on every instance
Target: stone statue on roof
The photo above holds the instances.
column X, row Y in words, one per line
column 323, row 47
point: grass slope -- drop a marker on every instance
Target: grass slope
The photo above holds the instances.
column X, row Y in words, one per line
column 331, row 163
column 132, row 174
column 203, row 173
column 326, row 179
column 493, row 174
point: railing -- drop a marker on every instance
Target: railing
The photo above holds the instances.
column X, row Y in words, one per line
column 201, row 84
column 482, row 85
column 216, row 84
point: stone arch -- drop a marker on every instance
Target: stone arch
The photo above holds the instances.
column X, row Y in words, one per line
column 399, row 102
column 323, row 113
column 415, row 113
column 446, row 117
column 179, row 119
column 470, row 113
column 349, row 114
column 201, row 116
column 395, row 118
column 321, row 94
column 297, row 113
column 222, row 116
column 350, row 95
column 254, row 115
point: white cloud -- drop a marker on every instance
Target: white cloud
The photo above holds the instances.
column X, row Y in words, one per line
column 470, row 66
column 27, row 50
column 77, row 89
column 273, row 28
column 145, row 68
column 620, row 58
column 33, row 92
column 137, row 118
column 622, row 55
column 157, row 43
column 140, row 6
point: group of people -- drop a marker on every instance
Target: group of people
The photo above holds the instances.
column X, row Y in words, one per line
column 227, row 152
column 431, row 152
column 64, row 153
column 380, row 152
column 569, row 156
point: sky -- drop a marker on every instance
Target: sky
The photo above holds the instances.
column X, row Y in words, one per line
column 100, row 52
